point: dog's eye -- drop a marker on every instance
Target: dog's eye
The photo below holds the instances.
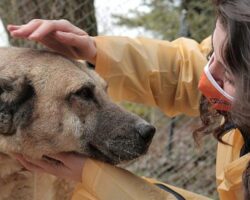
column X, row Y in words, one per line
column 86, row 92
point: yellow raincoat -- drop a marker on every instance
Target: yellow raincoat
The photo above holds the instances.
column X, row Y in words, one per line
column 163, row 74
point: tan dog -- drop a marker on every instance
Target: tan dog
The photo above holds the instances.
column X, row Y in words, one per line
column 50, row 104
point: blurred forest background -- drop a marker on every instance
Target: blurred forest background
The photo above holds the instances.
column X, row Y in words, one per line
column 173, row 157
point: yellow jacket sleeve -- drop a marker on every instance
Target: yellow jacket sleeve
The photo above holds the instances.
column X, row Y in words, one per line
column 153, row 72
column 101, row 181
column 230, row 167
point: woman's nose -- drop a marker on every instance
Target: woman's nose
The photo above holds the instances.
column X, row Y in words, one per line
column 217, row 71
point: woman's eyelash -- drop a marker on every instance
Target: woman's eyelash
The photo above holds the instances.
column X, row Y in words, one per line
column 228, row 79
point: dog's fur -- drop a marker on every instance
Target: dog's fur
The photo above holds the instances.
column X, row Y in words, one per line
column 50, row 104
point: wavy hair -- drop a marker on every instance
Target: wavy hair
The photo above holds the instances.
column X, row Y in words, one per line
column 234, row 15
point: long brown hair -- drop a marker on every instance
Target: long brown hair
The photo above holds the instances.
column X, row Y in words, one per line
column 234, row 15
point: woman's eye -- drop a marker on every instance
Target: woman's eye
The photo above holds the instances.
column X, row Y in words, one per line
column 228, row 78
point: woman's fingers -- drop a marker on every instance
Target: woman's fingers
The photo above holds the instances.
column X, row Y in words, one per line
column 56, row 169
column 65, row 26
column 23, row 31
column 38, row 28
column 70, row 167
column 63, row 157
column 68, row 38
column 11, row 27
column 59, row 35
column 59, row 47
column 59, row 156
column 28, row 165
column 79, row 46
column 46, row 28
column 72, row 39
column 41, row 165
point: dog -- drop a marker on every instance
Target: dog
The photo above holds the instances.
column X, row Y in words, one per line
column 51, row 104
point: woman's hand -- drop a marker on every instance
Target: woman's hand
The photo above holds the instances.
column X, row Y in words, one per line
column 69, row 165
column 59, row 35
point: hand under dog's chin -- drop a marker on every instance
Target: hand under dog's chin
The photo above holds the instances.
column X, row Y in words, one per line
column 111, row 156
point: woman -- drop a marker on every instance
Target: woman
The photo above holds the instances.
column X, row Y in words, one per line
column 166, row 75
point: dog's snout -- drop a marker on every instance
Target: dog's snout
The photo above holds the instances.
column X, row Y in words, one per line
column 146, row 131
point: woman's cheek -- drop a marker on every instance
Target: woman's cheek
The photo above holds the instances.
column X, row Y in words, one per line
column 229, row 89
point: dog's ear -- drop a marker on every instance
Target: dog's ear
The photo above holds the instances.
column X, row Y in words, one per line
column 14, row 92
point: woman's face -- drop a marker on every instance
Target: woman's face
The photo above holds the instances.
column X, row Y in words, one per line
column 217, row 67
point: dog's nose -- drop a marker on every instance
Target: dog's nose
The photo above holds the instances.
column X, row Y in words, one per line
column 146, row 131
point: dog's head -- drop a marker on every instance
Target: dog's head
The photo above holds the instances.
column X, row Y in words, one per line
column 50, row 104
